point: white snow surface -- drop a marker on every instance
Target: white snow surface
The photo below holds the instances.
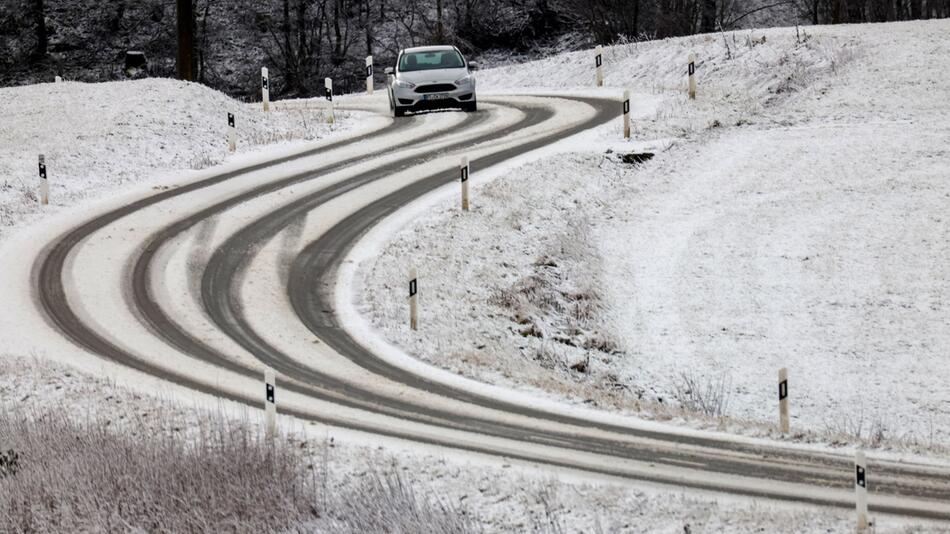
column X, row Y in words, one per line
column 504, row 496
column 105, row 137
column 794, row 216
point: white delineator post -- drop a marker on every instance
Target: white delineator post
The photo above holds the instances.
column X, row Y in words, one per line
column 692, row 76
column 328, row 83
column 232, row 133
column 626, row 114
column 464, row 170
column 861, row 489
column 413, row 300
column 270, row 404
column 265, row 89
column 44, row 183
column 783, row 400
column 599, row 64
column 58, row 79
column 369, row 75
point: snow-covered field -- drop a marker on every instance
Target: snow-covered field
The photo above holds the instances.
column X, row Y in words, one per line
column 501, row 496
column 101, row 138
column 794, row 216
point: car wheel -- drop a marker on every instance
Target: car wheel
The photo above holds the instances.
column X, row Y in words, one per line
column 399, row 112
column 470, row 106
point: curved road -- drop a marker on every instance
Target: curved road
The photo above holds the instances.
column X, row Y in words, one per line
column 439, row 413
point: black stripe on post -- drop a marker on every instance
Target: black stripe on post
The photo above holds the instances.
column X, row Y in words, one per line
column 263, row 83
column 270, row 393
column 42, row 171
column 369, row 70
column 412, row 287
column 598, row 60
column 859, row 477
column 782, row 389
column 329, row 93
column 692, row 69
column 626, row 107
column 465, row 174
column 231, row 120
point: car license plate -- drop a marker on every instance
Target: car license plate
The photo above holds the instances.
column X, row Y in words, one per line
column 436, row 97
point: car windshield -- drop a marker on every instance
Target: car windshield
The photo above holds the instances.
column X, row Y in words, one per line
column 438, row 59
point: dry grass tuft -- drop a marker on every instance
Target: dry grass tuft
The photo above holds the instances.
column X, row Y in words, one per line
column 80, row 475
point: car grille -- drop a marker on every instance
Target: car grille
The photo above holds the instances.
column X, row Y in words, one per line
column 435, row 88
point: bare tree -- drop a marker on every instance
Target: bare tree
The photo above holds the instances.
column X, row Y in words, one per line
column 709, row 16
column 42, row 39
column 186, row 40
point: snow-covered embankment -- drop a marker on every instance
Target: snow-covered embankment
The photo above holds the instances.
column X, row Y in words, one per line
column 792, row 217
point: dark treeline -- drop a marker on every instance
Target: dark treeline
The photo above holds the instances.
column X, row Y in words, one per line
column 303, row 41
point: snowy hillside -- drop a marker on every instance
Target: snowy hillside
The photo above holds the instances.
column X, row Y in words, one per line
column 99, row 138
column 794, row 216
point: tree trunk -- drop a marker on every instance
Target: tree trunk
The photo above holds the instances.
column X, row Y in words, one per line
column 42, row 38
column 338, row 46
column 186, row 40
column 368, row 27
column 915, row 9
column 203, row 38
column 709, row 16
column 439, row 28
column 304, row 56
column 302, row 29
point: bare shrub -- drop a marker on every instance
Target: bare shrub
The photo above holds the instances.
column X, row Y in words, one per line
column 203, row 161
column 706, row 395
column 560, row 299
column 873, row 431
column 85, row 475
column 9, row 463
column 387, row 502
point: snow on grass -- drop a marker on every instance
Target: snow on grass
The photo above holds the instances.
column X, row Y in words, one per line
column 100, row 433
column 98, row 138
column 738, row 73
column 807, row 233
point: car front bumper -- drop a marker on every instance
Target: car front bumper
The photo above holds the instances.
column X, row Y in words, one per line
column 406, row 97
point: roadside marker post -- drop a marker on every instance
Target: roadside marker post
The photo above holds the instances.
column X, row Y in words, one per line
column 464, row 171
column 58, row 79
column 861, row 490
column 44, row 183
column 265, row 89
column 692, row 76
column 599, row 64
column 626, row 114
column 328, row 83
column 232, row 133
column 369, row 75
column 783, row 400
column 413, row 299
column 270, row 403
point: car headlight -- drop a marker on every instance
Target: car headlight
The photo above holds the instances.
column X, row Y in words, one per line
column 468, row 79
column 404, row 84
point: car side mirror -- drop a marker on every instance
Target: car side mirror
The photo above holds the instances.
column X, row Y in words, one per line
column 389, row 71
column 472, row 65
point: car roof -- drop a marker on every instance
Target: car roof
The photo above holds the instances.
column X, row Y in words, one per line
column 428, row 48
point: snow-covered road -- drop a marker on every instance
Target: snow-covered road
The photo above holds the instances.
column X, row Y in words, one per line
column 204, row 284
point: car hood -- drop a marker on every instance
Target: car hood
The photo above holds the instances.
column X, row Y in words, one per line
column 421, row 77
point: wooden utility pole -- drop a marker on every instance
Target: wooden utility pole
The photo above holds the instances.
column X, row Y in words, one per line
column 186, row 40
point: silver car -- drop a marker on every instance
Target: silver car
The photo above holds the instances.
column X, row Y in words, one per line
column 431, row 77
